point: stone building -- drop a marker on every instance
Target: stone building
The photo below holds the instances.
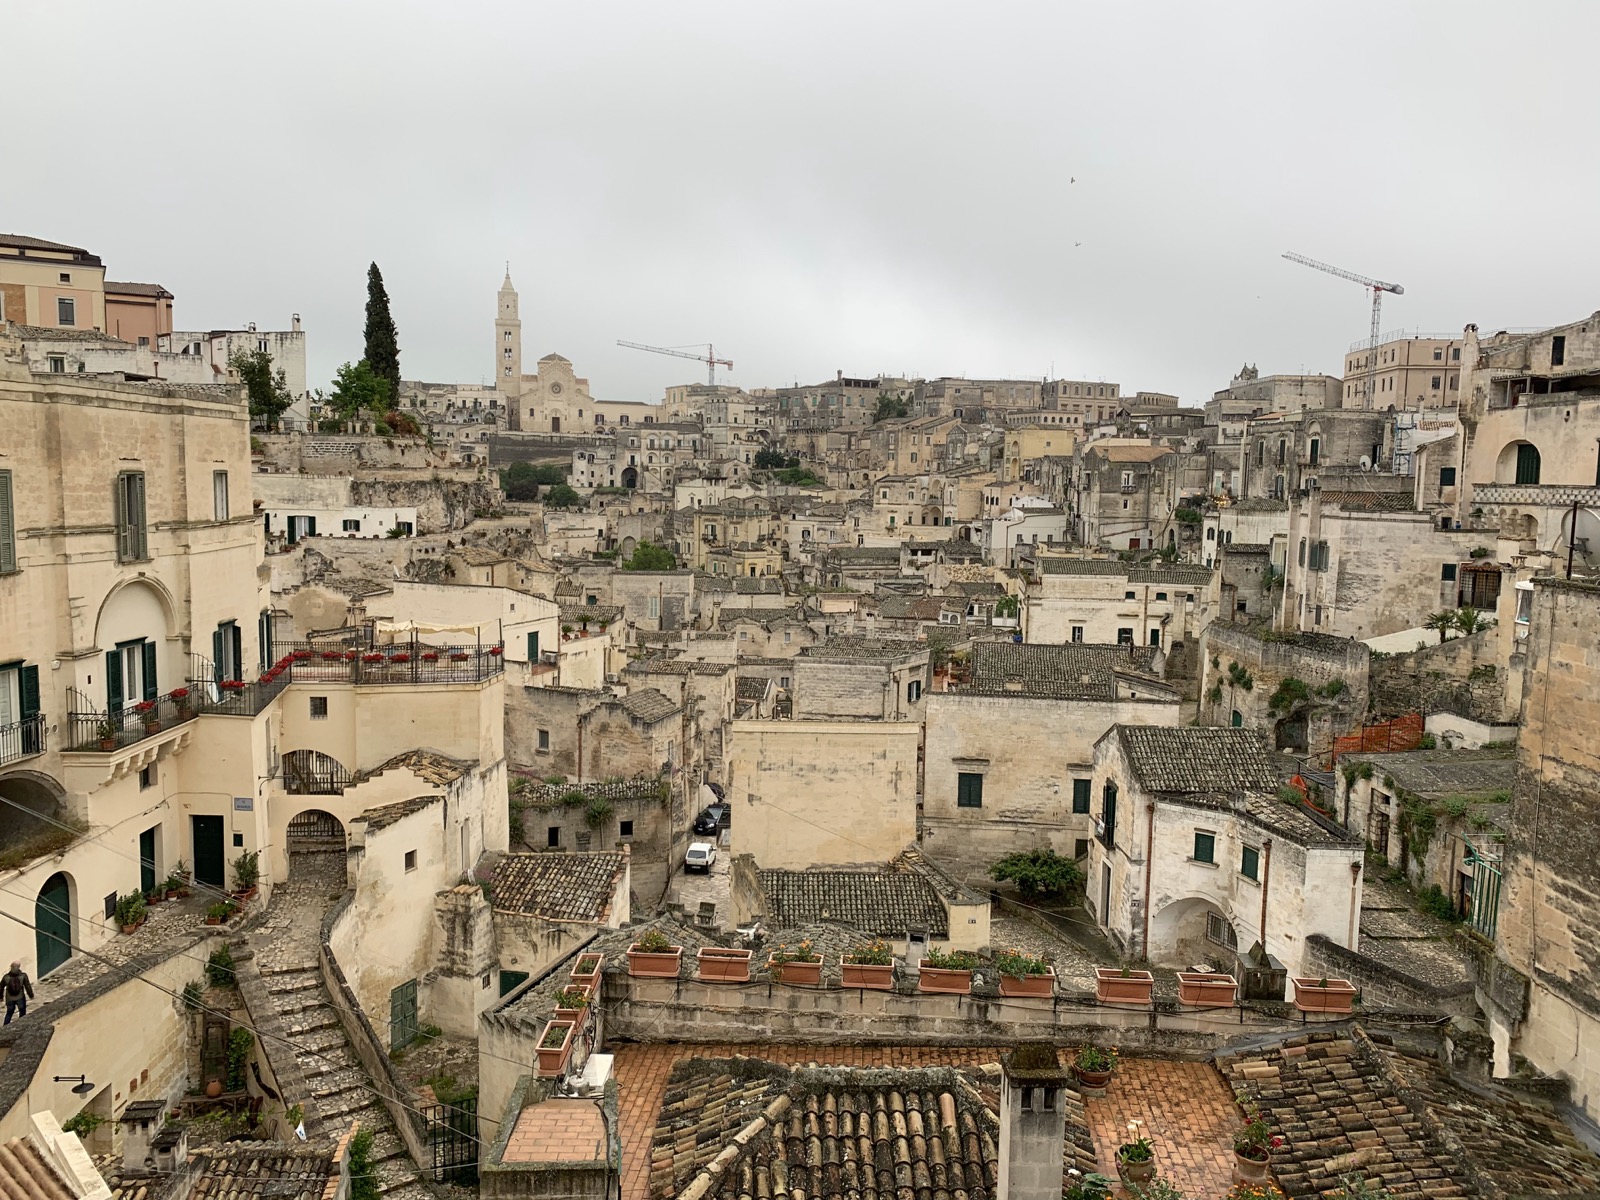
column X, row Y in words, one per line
column 1419, row 371
column 1106, row 600
column 860, row 678
column 1123, row 493
column 1251, row 394
column 987, row 794
column 1300, row 690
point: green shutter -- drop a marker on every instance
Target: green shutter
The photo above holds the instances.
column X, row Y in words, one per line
column 311, row 527
column 114, row 682
column 533, row 646
column 28, row 686
column 8, row 528
column 216, row 654
column 150, row 671
column 139, row 549
column 238, row 650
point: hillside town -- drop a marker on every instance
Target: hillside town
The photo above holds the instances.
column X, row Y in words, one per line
column 927, row 787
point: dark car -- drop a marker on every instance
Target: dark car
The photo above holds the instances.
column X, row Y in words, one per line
column 711, row 818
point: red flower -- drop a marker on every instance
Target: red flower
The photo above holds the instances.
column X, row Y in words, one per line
column 459, row 657
column 144, row 706
column 179, row 693
column 330, row 654
column 1276, row 1142
column 430, row 656
column 372, row 658
column 400, row 658
column 495, row 650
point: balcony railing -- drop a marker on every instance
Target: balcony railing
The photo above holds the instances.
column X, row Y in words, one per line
column 1549, row 495
column 90, row 729
column 404, row 663
column 22, row 739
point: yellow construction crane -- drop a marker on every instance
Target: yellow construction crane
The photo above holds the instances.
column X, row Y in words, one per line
column 709, row 357
column 1378, row 287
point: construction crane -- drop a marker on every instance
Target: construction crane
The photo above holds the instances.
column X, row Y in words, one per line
column 1378, row 287
column 710, row 358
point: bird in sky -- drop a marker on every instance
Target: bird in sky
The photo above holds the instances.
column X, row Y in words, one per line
column 1077, row 243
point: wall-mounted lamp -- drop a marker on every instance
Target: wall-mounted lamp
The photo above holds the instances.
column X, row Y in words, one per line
column 82, row 1087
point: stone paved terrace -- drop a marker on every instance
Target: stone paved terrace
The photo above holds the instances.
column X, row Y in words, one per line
column 1396, row 934
column 172, row 924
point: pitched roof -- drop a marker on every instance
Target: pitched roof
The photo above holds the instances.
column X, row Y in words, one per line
column 849, row 649
column 23, row 242
column 1176, row 574
column 879, row 901
column 385, row 815
column 1198, row 759
column 261, row 1172
column 49, row 333
column 752, row 687
column 1142, row 454
column 1074, row 671
column 137, row 289
column 659, row 665
column 24, row 1172
column 648, row 704
column 558, row 887
column 1466, row 773
column 1081, row 566
column 427, row 765
column 1371, row 501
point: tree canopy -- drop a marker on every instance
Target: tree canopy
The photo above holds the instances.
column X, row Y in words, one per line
column 382, row 338
column 562, row 496
column 797, row 477
column 522, row 480
column 358, row 388
column 1038, row 872
column 267, row 389
column 772, row 460
column 647, row 556
column 890, row 406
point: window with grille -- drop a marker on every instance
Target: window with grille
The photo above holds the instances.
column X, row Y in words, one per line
column 1218, row 930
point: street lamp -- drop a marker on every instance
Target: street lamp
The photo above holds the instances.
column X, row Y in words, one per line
column 82, row 1087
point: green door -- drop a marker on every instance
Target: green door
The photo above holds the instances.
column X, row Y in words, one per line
column 147, row 860
column 403, row 1015
column 209, row 868
column 52, row 921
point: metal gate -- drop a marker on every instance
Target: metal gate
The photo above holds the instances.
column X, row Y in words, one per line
column 1483, row 904
column 453, row 1140
column 403, row 1015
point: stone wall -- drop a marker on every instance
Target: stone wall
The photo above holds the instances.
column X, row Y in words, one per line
column 1463, row 675
column 1317, row 660
column 1381, row 985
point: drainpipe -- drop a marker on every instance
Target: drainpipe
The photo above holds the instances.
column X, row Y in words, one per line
column 1149, row 861
column 579, row 765
column 1355, row 908
column 1266, row 881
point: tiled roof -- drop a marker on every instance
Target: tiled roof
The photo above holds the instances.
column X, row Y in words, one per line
column 915, row 608
column 1178, row 575
column 1371, row 501
column 427, row 765
column 1258, row 504
column 757, row 585
column 752, row 687
column 1466, row 773
column 866, row 554
column 25, row 1173
column 24, row 242
column 385, row 815
column 261, row 1172
column 648, row 704
column 1246, row 548
column 49, row 333
column 879, row 901
column 136, row 289
column 1082, row 566
column 558, row 887
column 1144, row 454
column 1070, row 671
column 1198, row 759
column 845, row 649
column 736, row 1128
column 676, row 666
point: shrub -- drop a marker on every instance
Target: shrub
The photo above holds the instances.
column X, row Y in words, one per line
column 363, row 1171
column 219, row 968
column 247, row 870
column 871, row 954
column 240, row 1043
column 653, row 942
column 1096, row 1058
column 130, row 908
column 570, row 998
column 950, row 960
column 1019, row 962
column 597, row 812
column 83, row 1124
column 1038, row 872
column 1435, row 903
column 804, row 952
column 191, row 995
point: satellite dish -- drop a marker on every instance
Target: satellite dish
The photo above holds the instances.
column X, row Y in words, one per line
column 1366, row 463
column 1580, row 533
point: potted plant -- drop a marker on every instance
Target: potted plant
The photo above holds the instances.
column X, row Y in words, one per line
column 869, row 965
column 400, row 658
column 180, row 697
column 1206, row 989
column 331, row 656
column 566, row 633
column 496, row 651
column 946, row 972
column 147, row 714
column 570, row 1002
column 1253, row 1145
column 654, row 956
column 1123, row 985
column 130, row 911
column 1093, row 1067
column 587, row 969
column 430, row 656
column 106, row 732
column 1021, row 974
column 796, row 964
column 555, row 1043
column 1136, row 1158
column 246, row 874
column 1093, row 1186
column 459, row 656
column 719, row 964
column 219, row 912
column 232, row 685
column 1324, row 995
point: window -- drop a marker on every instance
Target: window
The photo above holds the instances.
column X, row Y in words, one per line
column 1108, row 815
column 1125, row 636
column 1250, row 863
column 1220, row 931
column 1438, row 354
column 1205, row 846
column 969, row 789
column 1077, row 633
column 350, row 526
column 1080, row 847
column 227, row 651
column 1447, row 477
column 66, row 276
column 66, row 311
column 1161, row 595
column 1527, row 464
column 147, row 777
column 1127, row 595
column 533, row 645
column 319, row 708
column 261, row 345
column 552, row 837
column 219, row 495
column 1155, row 637
column 1237, row 719
column 1436, row 382
column 1080, row 795
column 405, row 527
column 913, row 691
column 1558, row 350
column 544, row 741
column 58, row 364
column 8, row 527
column 131, row 545
column 655, row 607
column 1447, row 573
column 625, row 829
column 411, row 860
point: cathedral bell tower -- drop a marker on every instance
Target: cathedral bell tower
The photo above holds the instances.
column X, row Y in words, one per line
column 508, row 351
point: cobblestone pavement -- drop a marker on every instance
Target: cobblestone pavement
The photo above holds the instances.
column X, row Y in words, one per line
column 1186, row 1111
column 1394, row 932
column 641, row 1073
column 286, row 947
column 170, row 923
column 1074, row 968
column 690, row 889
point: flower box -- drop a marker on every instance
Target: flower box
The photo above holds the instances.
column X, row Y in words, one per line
column 1114, row 986
column 400, row 658
column 654, row 964
column 574, row 1014
column 806, row 974
column 877, row 977
column 331, row 656
column 1204, row 989
column 1324, row 995
column 587, row 969
column 372, row 658
column 430, row 656
column 720, row 965
column 1029, row 985
column 496, row 650
column 943, row 981
column 553, row 1058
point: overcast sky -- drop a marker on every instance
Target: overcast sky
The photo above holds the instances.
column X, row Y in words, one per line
column 820, row 187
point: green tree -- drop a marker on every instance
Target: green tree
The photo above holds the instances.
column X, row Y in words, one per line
column 1469, row 620
column 358, row 388
column 383, row 339
column 797, row 477
column 1038, row 872
column 772, row 460
column 647, row 556
column 268, row 389
column 890, row 406
column 1444, row 621
column 562, row 496
column 518, row 482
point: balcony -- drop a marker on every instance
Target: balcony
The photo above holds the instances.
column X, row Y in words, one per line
column 95, row 731
column 22, row 739
column 1535, row 495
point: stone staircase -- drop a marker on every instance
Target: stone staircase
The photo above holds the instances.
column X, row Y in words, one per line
column 338, row 1090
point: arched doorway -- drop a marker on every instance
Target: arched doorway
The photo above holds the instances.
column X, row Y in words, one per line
column 1191, row 931
column 315, row 840
column 52, row 921
column 630, row 477
column 313, row 773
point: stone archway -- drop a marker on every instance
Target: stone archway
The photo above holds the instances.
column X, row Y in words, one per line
column 316, row 842
column 630, row 477
column 1191, row 931
column 52, row 922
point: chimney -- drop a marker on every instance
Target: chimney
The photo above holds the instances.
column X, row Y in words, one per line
column 169, row 1149
column 294, row 322
column 140, row 1121
column 1033, row 1122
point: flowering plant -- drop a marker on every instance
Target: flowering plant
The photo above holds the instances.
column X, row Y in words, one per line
column 950, row 960
column 1139, row 1149
column 1255, row 1141
column 1256, row 1191
column 430, row 656
column 805, row 952
column 654, row 942
column 870, row 954
column 571, row 998
column 1097, row 1058
column 400, row 658
column 496, row 650
column 301, row 654
column 1019, row 962
column 458, row 656
column 372, row 658
column 145, row 706
column 178, row 693
column 232, row 685
column 331, row 655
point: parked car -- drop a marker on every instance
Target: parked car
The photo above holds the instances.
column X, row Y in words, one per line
column 699, row 856
column 712, row 818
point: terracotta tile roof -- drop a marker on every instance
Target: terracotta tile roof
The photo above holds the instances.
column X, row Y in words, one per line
column 25, row 1175
column 558, row 887
column 49, row 333
column 676, row 666
column 1082, row 566
column 1371, row 501
column 1176, row 576
column 428, row 765
column 24, row 242
column 752, row 687
column 266, row 1172
column 1075, row 671
column 848, row 649
column 876, row 901
column 569, row 1131
column 136, row 289
column 757, row 585
column 648, row 704
column 1198, row 759
column 387, row 814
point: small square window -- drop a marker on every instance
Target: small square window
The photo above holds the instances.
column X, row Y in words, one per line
column 411, row 860
column 1080, row 848
column 66, row 276
column 1127, row 595
column 111, row 904
column 238, row 840
column 1447, row 573
column 969, row 789
column 349, row 526
column 1250, row 863
column 1125, row 636
column 147, row 777
column 319, row 708
column 1080, row 795
column 484, row 982
column 1161, row 595
column 625, row 829
column 1077, row 633
column 1205, row 847
column 544, row 741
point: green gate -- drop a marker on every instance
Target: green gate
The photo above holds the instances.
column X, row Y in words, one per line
column 403, row 1015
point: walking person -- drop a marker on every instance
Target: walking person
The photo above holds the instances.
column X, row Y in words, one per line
column 18, row 989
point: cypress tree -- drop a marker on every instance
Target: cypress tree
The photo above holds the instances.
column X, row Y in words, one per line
column 383, row 340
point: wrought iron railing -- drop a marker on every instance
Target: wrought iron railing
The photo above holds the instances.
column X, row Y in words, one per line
column 22, row 739
column 93, row 729
column 312, row 773
column 400, row 663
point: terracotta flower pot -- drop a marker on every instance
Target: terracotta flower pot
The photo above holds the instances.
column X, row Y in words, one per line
column 553, row 1059
column 719, row 965
column 1092, row 1081
column 587, row 969
column 1324, row 996
column 877, row 977
column 108, row 744
column 1111, row 986
column 1136, row 1172
column 943, row 981
column 654, row 964
column 1029, row 985
column 213, row 920
column 806, row 974
column 1250, row 1170
column 214, row 1089
column 1201, row 989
